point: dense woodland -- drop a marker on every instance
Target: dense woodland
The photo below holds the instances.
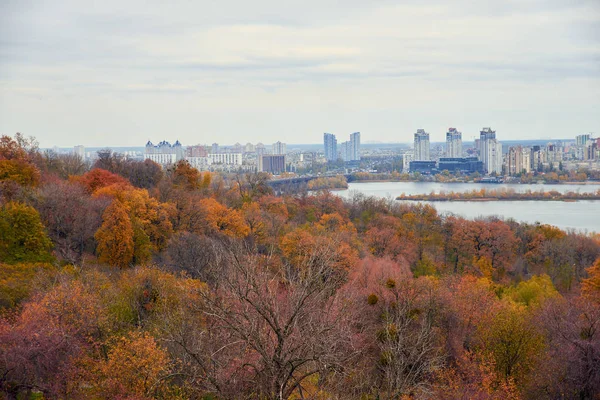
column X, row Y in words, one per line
column 122, row 280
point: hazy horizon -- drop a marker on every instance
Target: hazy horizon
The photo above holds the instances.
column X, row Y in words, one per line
column 127, row 72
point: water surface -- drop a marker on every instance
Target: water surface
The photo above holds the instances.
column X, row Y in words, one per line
column 583, row 215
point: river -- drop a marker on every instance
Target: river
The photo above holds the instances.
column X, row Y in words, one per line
column 583, row 215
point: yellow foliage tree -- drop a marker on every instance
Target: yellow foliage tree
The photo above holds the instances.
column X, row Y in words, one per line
column 512, row 341
column 150, row 219
column 222, row 219
column 136, row 367
column 115, row 236
column 23, row 237
column 590, row 287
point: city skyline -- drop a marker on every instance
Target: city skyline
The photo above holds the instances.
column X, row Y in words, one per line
column 118, row 73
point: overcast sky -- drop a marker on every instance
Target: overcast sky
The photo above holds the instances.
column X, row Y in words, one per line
column 122, row 72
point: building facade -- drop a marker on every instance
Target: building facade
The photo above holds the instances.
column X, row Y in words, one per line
column 80, row 151
column 490, row 151
column 465, row 165
column 355, row 146
column 518, row 160
column 272, row 163
column 164, row 153
column 279, row 148
column 421, row 151
column 330, row 147
column 231, row 159
column 453, row 143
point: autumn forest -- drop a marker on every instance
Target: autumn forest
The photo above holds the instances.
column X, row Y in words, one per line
column 124, row 280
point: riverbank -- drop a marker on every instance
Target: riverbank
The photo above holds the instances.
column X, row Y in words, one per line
column 501, row 195
column 473, row 182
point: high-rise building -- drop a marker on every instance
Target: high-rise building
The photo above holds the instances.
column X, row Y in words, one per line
column 260, row 149
column 355, row 146
column 406, row 160
column 80, row 151
column 581, row 140
column 278, row 148
column 330, row 146
column 346, row 151
column 453, row 143
column 421, row 152
column 490, row 151
column 273, row 163
column 214, row 148
column 591, row 150
column 494, row 157
column 350, row 150
column 518, row 160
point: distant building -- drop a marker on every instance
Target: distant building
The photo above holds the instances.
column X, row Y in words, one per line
column 591, row 150
column 464, row 165
column 237, row 148
column 354, row 146
column 581, row 140
column 249, row 148
column 424, row 167
column 330, row 147
column 80, row 151
column 164, row 153
column 279, row 148
column 260, row 149
column 214, row 148
column 421, row 152
column 350, row 150
column 453, row 143
column 201, row 163
column 272, row 163
column 518, row 160
column 196, row 151
column 406, row 159
column 490, row 151
column 229, row 159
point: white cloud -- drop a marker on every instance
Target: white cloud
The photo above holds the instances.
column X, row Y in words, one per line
column 122, row 72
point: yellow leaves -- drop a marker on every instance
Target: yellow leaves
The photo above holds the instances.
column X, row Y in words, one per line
column 533, row 291
column 16, row 282
column 115, row 236
column 189, row 177
column 484, row 266
column 590, row 287
column 22, row 235
column 149, row 218
column 512, row 341
column 301, row 248
column 335, row 223
column 135, row 367
column 219, row 218
column 297, row 245
column 19, row 171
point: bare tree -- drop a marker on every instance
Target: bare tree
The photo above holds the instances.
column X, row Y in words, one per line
column 199, row 256
column 410, row 348
column 71, row 216
column 270, row 329
column 573, row 336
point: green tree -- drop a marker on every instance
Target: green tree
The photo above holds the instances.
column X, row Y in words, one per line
column 23, row 237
